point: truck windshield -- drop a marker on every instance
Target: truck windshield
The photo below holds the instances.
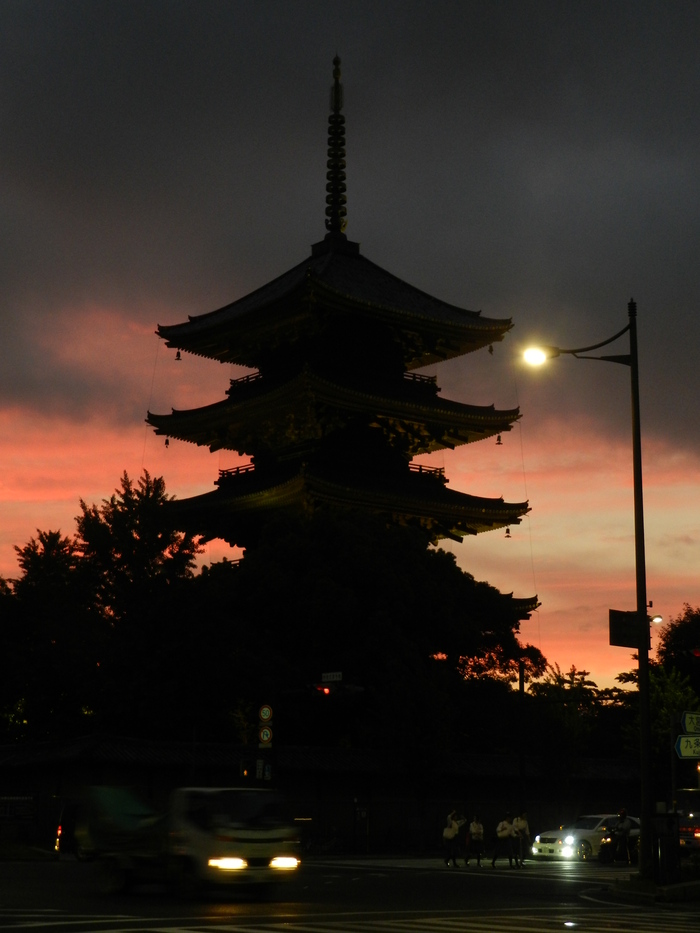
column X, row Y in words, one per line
column 235, row 808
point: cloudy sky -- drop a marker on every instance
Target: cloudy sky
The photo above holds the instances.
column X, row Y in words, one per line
column 535, row 160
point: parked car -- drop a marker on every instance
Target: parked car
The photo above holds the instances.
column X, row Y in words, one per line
column 688, row 810
column 582, row 839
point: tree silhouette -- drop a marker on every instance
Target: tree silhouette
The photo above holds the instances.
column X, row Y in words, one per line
column 679, row 645
column 129, row 546
column 53, row 641
column 113, row 629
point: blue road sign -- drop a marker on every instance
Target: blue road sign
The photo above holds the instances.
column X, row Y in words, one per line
column 688, row 746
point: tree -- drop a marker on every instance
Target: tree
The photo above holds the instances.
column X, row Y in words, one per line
column 130, row 548
column 52, row 642
column 136, row 566
column 85, row 627
column 573, row 701
column 679, row 647
column 166, row 652
column 670, row 693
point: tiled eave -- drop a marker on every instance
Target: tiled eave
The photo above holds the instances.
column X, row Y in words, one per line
column 332, row 284
column 444, row 513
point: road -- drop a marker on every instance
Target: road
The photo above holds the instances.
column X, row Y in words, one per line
column 405, row 896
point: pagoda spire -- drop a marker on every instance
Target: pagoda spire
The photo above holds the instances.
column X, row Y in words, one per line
column 335, row 176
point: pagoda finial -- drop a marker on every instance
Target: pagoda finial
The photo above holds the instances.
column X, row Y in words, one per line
column 335, row 176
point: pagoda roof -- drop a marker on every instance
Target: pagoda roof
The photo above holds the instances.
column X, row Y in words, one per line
column 441, row 422
column 442, row 512
column 334, row 280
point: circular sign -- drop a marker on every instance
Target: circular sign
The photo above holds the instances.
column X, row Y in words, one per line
column 265, row 735
column 265, row 713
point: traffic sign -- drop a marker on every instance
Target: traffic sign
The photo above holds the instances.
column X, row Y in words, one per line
column 265, row 735
column 265, row 713
column 688, row 746
column 690, row 722
column 624, row 629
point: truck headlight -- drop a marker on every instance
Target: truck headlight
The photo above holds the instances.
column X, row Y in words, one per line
column 228, row 864
column 285, row 862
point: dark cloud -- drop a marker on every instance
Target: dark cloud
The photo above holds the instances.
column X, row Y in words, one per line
column 531, row 159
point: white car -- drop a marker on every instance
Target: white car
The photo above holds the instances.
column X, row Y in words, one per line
column 582, row 839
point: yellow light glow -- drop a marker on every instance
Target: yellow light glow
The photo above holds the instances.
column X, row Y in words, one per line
column 285, row 862
column 228, row 864
column 535, row 356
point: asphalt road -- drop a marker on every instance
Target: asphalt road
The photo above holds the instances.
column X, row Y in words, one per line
column 372, row 896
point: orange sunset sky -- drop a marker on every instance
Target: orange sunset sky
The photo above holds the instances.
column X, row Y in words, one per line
column 162, row 160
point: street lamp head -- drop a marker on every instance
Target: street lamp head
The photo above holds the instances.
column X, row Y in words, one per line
column 536, row 356
column 657, row 620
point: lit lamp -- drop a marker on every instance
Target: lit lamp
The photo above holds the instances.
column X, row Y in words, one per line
column 536, row 356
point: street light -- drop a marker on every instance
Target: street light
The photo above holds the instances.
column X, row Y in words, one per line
column 536, row 356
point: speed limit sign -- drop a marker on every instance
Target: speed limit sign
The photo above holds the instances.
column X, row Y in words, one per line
column 265, row 713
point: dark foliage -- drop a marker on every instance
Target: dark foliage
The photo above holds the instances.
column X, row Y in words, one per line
column 114, row 631
column 679, row 647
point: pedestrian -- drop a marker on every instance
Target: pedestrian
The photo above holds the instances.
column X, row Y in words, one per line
column 522, row 828
column 449, row 837
column 622, row 835
column 475, row 849
column 505, row 842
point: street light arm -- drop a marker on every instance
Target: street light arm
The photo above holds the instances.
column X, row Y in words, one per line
column 536, row 356
column 597, row 346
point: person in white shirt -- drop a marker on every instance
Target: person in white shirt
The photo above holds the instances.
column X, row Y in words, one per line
column 505, row 842
column 522, row 828
column 449, row 837
column 475, row 848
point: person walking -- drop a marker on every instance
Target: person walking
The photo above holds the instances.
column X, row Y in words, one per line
column 505, row 842
column 522, row 828
column 622, row 835
column 475, row 849
column 449, row 837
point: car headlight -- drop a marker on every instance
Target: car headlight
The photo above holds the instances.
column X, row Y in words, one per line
column 567, row 851
column 569, row 840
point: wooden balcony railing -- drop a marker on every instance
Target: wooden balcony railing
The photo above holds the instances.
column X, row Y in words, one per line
column 244, row 380
column 438, row 472
column 422, row 379
column 236, row 471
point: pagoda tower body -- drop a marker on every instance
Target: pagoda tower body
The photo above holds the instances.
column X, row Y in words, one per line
column 332, row 412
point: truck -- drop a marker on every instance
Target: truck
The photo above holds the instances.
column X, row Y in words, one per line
column 206, row 836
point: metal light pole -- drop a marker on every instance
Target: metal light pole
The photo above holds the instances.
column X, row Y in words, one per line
column 646, row 849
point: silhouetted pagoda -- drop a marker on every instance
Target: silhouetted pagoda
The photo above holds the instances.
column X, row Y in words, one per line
column 332, row 412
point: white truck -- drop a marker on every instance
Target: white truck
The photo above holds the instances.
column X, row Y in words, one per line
column 207, row 836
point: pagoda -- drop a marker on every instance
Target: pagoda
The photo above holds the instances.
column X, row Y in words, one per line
column 333, row 410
